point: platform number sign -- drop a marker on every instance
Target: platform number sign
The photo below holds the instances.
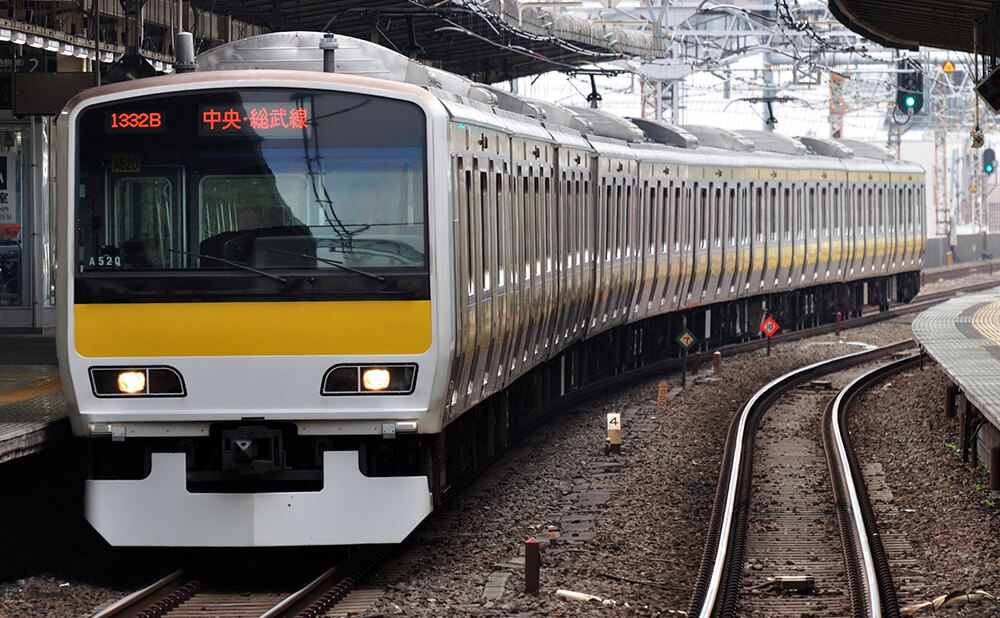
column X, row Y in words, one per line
column 686, row 339
column 769, row 326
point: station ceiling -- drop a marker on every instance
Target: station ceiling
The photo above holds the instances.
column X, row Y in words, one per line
column 947, row 24
column 487, row 41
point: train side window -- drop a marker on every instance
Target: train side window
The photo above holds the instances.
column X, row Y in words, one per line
column 688, row 215
column 675, row 219
column 772, row 214
column 837, row 211
column 880, row 211
column 786, row 214
column 469, row 234
column 703, row 211
column 758, row 214
column 824, row 212
column 501, row 238
column 552, row 227
column 811, row 213
column 731, row 227
column 486, row 235
column 717, row 218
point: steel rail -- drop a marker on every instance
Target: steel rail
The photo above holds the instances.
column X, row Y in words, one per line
column 721, row 553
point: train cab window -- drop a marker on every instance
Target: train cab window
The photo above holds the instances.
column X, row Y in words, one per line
column 233, row 182
column 144, row 212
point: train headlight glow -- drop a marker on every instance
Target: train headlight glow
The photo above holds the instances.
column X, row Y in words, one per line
column 136, row 382
column 131, row 382
column 375, row 379
column 387, row 379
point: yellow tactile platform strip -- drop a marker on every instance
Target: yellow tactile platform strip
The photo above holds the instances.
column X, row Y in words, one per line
column 32, row 409
column 987, row 321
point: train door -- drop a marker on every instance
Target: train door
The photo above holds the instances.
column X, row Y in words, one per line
column 729, row 230
column 822, row 273
column 838, row 232
column 811, row 233
column 800, row 224
column 699, row 243
column 897, row 243
column 868, row 230
column 758, row 237
column 627, row 236
column 673, row 199
column 645, row 257
column 501, row 344
column 602, row 251
column 786, row 211
column 883, row 252
column 547, row 251
column 519, row 270
column 531, row 283
column 465, row 290
column 713, row 244
column 744, row 244
column 854, row 230
column 906, row 226
column 581, row 274
column 772, row 216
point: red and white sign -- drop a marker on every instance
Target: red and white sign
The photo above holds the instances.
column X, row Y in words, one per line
column 769, row 326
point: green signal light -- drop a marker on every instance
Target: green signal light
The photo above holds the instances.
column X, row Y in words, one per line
column 989, row 168
column 910, row 101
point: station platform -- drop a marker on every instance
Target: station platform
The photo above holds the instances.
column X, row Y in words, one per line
column 32, row 406
column 963, row 336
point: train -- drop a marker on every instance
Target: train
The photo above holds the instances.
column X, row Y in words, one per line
column 309, row 286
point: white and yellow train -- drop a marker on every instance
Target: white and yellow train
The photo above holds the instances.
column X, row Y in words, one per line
column 295, row 304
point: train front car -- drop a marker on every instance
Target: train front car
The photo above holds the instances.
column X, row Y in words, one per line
column 248, row 326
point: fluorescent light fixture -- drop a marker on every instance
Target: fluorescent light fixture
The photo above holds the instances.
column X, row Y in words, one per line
column 67, row 50
column 19, row 38
column 5, row 34
column 36, row 41
column 51, row 45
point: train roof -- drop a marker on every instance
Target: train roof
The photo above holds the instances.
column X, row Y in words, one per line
column 304, row 51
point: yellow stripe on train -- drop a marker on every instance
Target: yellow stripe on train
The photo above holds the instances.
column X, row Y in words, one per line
column 252, row 329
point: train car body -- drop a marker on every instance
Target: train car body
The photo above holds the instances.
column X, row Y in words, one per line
column 295, row 305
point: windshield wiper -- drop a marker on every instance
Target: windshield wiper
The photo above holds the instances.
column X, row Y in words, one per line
column 233, row 263
column 335, row 263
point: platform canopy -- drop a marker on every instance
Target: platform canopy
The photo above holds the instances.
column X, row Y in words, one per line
column 965, row 25
column 490, row 41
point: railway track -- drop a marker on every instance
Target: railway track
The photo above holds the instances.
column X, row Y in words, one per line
column 223, row 591
column 263, row 602
column 792, row 533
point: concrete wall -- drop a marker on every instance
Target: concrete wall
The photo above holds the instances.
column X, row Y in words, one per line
column 968, row 248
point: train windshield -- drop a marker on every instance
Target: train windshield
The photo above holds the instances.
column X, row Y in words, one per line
column 244, row 181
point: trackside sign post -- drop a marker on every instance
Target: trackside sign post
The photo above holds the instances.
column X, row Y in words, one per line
column 686, row 340
column 769, row 326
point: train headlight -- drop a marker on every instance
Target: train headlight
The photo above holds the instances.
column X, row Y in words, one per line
column 136, row 382
column 370, row 379
column 375, row 379
column 131, row 382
